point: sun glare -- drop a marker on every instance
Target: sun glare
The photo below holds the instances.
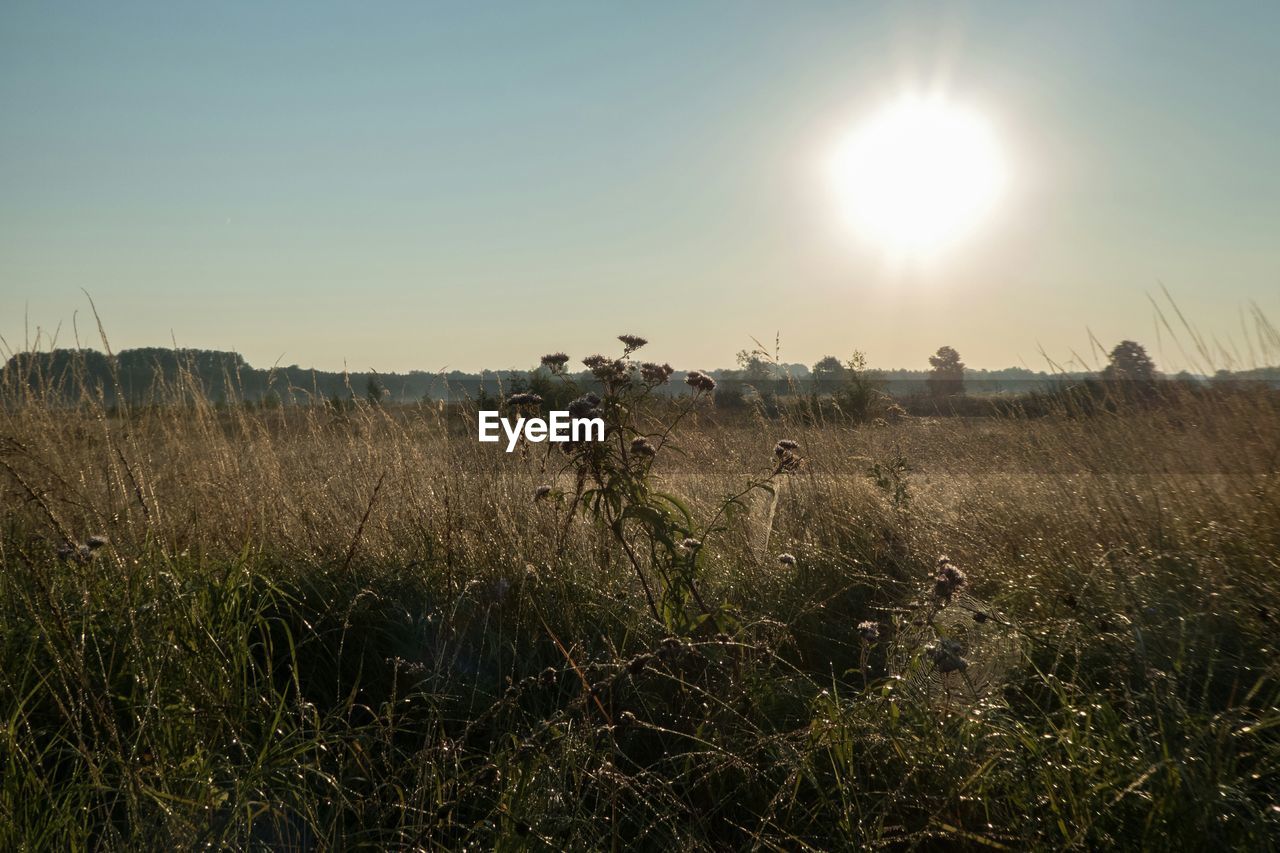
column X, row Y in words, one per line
column 918, row 175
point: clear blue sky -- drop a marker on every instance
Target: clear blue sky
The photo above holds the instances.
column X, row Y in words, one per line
column 423, row 185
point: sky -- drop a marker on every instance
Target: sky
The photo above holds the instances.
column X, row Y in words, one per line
column 398, row 186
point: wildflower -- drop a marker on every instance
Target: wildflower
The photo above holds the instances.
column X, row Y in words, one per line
column 788, row 459
column 606, row 369
column 641, row 446
column 524, row 398
column 947, row 656
column 691, row 544
column 584, row 407
column 870, row 631
column 632, row 342
column 788, row 560
column 656, row 374
column 555, row 361
column 541, row 492
column 948, row 580
column 699, row 381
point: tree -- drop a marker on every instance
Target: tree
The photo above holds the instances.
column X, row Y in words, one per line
column 555, row 389
column 1129, row 362
column 858, row 394
column 947, row 374
column 755, row 370
column 827, row 373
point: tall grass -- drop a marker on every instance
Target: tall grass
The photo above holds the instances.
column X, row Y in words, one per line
column 319, row 627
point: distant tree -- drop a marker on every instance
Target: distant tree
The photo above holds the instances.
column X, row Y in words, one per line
column 1129, row 362
column 859, row 391
column 374, row 392
column 947, row 374
column 556, row 391
column 755, row 370
column 828, row 373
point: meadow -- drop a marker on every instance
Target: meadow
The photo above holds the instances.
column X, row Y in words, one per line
column 321, row 627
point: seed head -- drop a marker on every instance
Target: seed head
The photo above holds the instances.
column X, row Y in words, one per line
column 524, row 398
column 606, row 369
column 691, row 544
column 95, row 542
column 584, row 407
column 656, row 374
column 541, row 492
column 788, row 560
column 948, row 580
column 632, row 342
column 555, row 361
column 641, row 446
column 699, row 381
column 870, row 631
column 788, row 459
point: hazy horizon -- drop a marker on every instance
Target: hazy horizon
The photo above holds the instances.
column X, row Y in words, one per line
column 462, row 188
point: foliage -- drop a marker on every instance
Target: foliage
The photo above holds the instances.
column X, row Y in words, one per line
column 1129, row 362
column 656, row 531
column 946, row 376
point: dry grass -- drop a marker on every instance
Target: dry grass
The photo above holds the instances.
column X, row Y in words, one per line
column 316, row 626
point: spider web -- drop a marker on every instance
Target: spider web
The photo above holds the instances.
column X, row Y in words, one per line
column 988, row 642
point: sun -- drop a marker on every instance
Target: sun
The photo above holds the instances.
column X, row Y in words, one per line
column 918, row 175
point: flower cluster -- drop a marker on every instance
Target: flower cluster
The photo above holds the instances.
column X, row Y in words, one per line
column 555, row 362
column 948, row 580
column 641, row 446
column 699, row 381
column 656, row 374
column 632, row 342
column 524, row 398
column 610, row 371
column 788, row 458
column 788, row 560
column 541, row 493
column 870, row 631
column 585, row 406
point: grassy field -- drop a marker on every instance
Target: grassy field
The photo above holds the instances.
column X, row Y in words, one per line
column 318, row 628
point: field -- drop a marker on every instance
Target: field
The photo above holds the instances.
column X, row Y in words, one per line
column 318, row 627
